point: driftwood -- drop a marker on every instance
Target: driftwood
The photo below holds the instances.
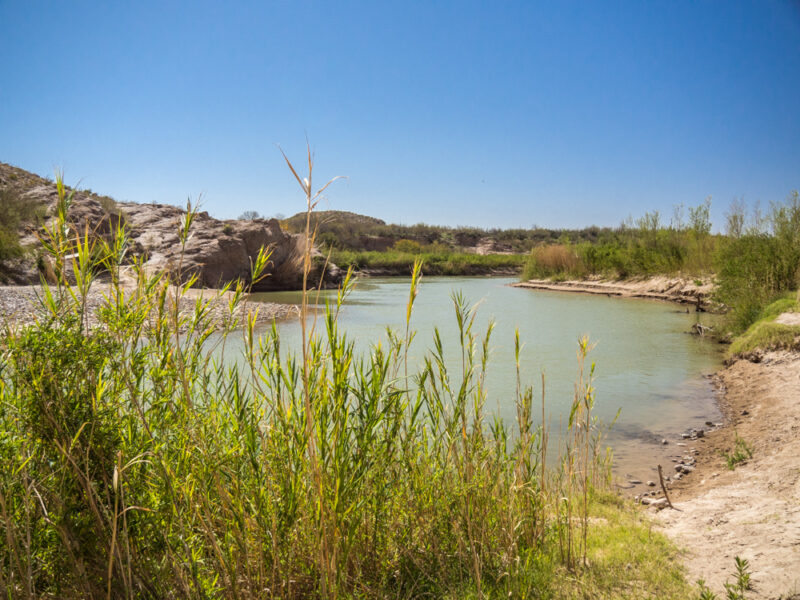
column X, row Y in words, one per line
column 664, row 487
column 700, row 329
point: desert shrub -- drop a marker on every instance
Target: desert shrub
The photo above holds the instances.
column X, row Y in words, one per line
column 757, row 267
column 14, row 212
column 556, row 259
column 407, row 246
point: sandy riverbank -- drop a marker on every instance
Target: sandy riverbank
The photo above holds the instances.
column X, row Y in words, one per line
column 753, row 511
column 673, row 289
column 21, row 304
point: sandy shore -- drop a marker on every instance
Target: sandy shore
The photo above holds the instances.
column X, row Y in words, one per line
column 753, row 511
column 21, row 305
column 673, row 289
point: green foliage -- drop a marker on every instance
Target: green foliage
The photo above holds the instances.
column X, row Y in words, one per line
column 629, row 253
column 137, row 462
column 741, row 452
column 408, row 246
column 15, row 211
column 733, row 591
column 435, row 261
column 360, row 233
column 755, row 268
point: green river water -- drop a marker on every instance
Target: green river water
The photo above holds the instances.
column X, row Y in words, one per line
column 647, row 364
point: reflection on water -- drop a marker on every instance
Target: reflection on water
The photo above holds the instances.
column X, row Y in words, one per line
column 646, row 362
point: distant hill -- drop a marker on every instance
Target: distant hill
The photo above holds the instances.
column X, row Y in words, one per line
column 345, row 230
column 297, row 223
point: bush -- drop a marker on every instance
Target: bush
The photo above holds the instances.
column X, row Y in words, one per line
column 136, row 462
column 14, row 213
column 548, row 261
column 408, row 246
column 756, row 268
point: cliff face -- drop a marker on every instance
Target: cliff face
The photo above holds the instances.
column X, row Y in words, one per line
column 217, row 251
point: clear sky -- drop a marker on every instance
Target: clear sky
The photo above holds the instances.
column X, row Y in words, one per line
column 495, row 114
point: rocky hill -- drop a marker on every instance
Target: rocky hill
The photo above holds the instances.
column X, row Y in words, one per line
column 217, row 251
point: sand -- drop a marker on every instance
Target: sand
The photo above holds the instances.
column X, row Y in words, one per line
column 753, row 511
column 673, row 289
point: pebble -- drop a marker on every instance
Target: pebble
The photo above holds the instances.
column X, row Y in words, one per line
column 665, row 442
column 651, row 483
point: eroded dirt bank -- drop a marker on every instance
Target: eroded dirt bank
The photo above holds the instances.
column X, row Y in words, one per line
column 674, row 289
column 752, row 511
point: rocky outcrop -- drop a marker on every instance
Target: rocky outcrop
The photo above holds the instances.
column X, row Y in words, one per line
column 217, row 252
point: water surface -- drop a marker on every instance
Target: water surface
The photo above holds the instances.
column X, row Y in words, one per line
column 647, row 364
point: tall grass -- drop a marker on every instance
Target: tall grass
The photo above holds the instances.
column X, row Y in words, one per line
column 135, row 462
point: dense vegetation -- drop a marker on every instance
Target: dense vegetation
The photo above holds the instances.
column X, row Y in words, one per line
column 349, row 231
column 15, row 212
column 754, row 263
column 136, row 462
column 646, row 246
column 437, row 260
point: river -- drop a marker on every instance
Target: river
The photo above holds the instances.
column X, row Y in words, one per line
column 647, row 364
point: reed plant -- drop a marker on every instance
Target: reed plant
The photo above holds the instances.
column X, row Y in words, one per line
column 137, row 462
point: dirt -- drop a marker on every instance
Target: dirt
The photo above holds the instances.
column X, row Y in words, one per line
column 752, row 511
column 674, row 289
column 22, row 305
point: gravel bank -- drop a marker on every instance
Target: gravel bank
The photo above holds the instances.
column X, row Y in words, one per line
column 21, row 305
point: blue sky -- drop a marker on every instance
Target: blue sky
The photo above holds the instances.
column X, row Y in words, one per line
column 495, row 114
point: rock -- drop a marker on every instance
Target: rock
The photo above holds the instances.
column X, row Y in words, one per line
column 709, row 424
column 651, row 483
column 685, row 436
column 700, row 433
column 745, row 413
column 635, row 481
column 664, row 442
column 217, row 252
column 655, row 502
column 678, row 476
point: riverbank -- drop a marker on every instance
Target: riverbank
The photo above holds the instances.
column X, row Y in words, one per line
column 752, row 511
column 696, row 292
column 443, row 262
column 21, row 305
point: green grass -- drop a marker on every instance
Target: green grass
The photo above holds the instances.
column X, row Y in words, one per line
column 740, row 453
column 136, row 462
column 765, row 333
column 434, row 263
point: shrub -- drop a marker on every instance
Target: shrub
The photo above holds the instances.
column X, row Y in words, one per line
column 14, row 212
column 408, row 246
column 740, row 453
column 556, row 259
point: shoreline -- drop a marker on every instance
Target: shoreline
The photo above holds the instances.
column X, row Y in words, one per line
column 660, row 287
column 752, row 511
column 19, row 305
